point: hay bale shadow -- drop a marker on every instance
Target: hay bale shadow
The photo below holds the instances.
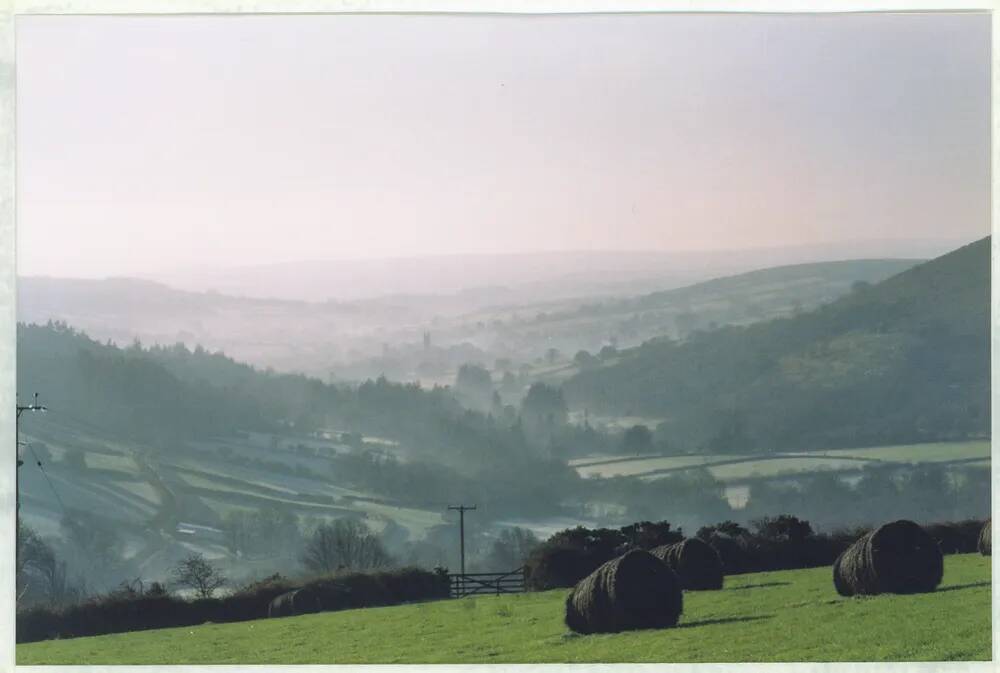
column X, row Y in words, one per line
column 724, row 620
column 959, row 587
column 762, row 585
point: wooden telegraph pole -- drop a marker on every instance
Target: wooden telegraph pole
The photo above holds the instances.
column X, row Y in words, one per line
column 21, row 408
column 462, row 509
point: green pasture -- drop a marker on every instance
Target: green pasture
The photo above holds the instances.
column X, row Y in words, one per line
column 764, row 617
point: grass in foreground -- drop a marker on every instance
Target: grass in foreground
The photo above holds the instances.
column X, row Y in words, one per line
column 779, row 616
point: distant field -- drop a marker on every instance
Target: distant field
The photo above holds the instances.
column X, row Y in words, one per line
column 642, row 466
column 730, row 467
column 117, row 487
column 140, row 489
column 765, row 617
column 781, row 466
column 921, row 453
column 416, row 521
column 111, row 461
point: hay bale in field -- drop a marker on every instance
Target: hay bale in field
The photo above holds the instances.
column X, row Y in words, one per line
column 697, row 564
column 634, row 591
column 295, row 602
column 985, row 545
column 896, row 558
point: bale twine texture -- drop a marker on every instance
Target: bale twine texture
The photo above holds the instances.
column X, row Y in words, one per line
column 634, row 591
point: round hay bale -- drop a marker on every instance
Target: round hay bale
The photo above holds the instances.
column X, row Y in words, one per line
column 985, row 545
column 634, row 591
column 838, row 582
column 697, row 564
column 895, row 558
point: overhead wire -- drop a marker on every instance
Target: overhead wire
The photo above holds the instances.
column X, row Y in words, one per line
column 41, row 467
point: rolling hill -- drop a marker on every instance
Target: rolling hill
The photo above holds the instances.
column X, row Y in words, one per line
column 904, row 360
column 363, row 338
column 158, row 446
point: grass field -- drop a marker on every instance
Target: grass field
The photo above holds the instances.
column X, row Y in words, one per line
column 764, row 617
column 920, row 453
column 780, row 467
column 729, row 468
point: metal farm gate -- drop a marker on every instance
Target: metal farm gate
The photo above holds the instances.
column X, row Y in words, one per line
column 473, row 584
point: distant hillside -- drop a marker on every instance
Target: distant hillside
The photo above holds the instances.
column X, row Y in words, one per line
column 287, row 335
column 764, row 281
column 366, row 338
column 527, row 277
column 124, row 392
column 904, row 360
column 740, row 299
column 164, row 396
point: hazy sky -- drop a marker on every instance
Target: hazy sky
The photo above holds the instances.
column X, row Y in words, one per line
column 146, row 144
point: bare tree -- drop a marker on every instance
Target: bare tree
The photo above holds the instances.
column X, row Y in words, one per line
column 198, row 574
column 40, row 576
column 345, row 543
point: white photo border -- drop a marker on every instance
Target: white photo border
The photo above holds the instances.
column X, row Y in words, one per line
column 11, row 9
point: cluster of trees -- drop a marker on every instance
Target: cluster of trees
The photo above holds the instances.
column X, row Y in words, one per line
column 690, row 497
column 40, row 577
column 125, row 392
column 474, row 387
column 769, row 543
column 344, row 544
column 922, row 492
column 317, row 549
column 87, row 556
column 89, row 548
column 161, row 396
column 572, row 554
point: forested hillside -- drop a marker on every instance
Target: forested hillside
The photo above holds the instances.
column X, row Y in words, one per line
column 904, row 360
column 125, row 392
column 160, row 395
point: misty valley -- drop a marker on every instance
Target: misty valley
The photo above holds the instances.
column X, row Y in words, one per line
column 557, row 335
column 243, row 429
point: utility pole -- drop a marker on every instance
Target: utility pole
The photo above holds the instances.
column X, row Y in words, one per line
column 462, row 509
column 34, row 406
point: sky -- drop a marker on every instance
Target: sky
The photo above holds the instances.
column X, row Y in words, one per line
column 164, row 143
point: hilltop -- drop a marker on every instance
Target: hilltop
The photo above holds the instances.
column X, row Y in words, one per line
column 902, row 360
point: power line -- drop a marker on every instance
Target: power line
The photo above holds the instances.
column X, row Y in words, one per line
column 62, row 506
column 67, row 516
column 21, row 408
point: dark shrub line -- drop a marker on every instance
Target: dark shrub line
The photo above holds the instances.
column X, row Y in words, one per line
column 779, row 543
column 131, row 610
